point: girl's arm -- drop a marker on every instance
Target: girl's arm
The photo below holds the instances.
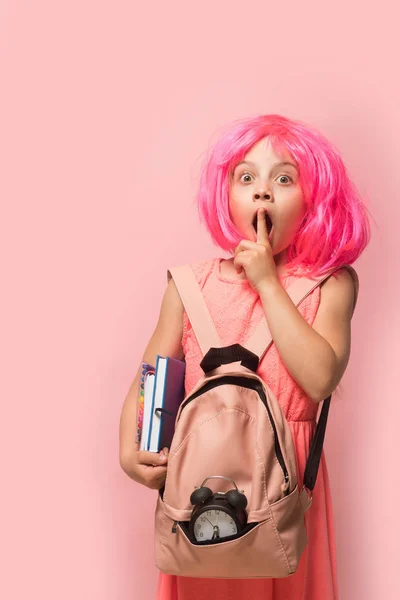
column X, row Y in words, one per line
column 316, row 356
column 166, row 341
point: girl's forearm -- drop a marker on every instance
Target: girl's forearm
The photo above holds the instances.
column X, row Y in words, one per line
column 307, row 356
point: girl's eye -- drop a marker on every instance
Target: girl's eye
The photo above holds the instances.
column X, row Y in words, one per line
column 248, row 175
column 245, row 175
column 287, row 177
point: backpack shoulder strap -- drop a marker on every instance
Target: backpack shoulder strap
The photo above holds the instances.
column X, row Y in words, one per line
column 195, row 307
column 261, row 339
column 201, row 320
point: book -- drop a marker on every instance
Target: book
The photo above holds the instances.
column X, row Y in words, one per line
column 148, row 390
column 146, row 369
column 163, row 394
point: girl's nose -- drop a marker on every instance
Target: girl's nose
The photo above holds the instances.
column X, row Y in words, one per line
column 262, row 195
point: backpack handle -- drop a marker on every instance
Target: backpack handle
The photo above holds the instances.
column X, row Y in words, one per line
column 215, row 357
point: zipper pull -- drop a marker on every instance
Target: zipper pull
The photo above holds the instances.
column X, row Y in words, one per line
column 174, row 526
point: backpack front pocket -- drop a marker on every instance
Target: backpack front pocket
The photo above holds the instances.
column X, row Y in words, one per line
column 270, row 548
column 177, row 555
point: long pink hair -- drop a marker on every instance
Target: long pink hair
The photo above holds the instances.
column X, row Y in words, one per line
column 335, row 229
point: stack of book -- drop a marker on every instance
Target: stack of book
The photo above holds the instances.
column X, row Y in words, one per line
column 162, row 390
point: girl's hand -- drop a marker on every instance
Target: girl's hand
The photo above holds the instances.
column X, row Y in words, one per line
column 256, row 258
column 147, row 468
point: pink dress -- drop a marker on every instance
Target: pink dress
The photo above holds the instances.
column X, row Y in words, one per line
column 236, row 310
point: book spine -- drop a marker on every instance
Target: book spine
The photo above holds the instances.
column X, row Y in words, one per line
column 152, row 400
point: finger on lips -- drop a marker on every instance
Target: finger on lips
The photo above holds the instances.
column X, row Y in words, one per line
column 262, row 231
column 262, row 236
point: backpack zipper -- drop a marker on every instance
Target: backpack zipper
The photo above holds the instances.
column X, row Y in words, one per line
column 248, row 383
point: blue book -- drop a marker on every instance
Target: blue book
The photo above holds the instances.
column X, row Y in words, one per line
column 168, row 394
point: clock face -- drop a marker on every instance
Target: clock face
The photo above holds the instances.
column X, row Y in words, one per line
column 214, row 524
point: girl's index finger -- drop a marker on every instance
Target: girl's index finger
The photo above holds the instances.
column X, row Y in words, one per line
column 262, row 231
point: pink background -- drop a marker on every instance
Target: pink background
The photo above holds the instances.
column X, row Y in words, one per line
column 106, row 110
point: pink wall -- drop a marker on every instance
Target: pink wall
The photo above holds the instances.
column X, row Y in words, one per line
column 106, row 111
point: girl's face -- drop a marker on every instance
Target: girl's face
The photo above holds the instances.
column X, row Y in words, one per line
column 263, row 181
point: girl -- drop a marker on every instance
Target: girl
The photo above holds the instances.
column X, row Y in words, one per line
column 275, row 194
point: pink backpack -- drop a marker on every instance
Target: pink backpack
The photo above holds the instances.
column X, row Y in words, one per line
column 232, row 506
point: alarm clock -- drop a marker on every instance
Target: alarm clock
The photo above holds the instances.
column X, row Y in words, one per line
column 217, row 515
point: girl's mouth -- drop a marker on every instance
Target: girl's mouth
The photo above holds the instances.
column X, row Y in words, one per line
column 267, row 219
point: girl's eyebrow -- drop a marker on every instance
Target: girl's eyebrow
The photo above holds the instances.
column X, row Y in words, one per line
column 249, row 162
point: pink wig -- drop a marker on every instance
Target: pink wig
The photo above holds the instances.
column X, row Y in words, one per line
column 335, row 229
